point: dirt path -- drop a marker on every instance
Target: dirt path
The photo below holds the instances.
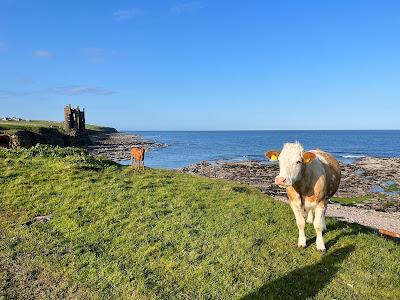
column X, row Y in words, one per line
column 370, row 218
column 367, row 178
column 367, row 217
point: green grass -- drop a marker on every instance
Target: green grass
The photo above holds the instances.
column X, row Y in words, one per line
column 37, row 125
column 97, row 128
column 116, row 234
column 350, row 201
column 393, row 188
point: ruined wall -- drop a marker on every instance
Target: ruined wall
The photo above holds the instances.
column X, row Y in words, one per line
column 74, row 127
column 74, row 120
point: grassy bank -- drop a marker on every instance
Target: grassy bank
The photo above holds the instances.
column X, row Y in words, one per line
column 118, row 234
column 37, row 125
column 350, row 201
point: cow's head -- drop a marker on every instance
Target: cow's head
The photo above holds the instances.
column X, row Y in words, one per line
column 292, row 159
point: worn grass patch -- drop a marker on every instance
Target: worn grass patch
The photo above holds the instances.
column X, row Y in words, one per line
column 116, row 234
column 351, row 201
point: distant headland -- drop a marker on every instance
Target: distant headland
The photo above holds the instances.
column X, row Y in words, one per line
column 72, row 132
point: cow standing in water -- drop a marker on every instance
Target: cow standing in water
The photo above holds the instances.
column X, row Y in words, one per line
column 137, row 153
column 310, row 179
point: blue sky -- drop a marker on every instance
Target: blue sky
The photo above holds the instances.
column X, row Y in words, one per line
column 203, row 65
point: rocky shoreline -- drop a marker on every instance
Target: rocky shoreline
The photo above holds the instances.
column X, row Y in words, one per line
column 373, row 182
column 117, row 146
column 371, row 179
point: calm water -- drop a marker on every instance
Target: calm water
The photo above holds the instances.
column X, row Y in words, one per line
column 187, row 147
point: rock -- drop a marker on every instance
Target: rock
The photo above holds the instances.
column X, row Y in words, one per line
column 22, row 139
column 38, row 219
column 48, row 136
column 358, row 179
column 117, row 146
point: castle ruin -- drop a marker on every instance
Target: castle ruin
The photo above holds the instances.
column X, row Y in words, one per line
column 74, row 120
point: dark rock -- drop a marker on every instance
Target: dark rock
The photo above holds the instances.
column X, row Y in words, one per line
column 358, row 179
column 48, row 136
column 38, row 219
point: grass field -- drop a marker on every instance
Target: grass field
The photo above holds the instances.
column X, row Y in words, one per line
column 36, row 125
column 116, row 234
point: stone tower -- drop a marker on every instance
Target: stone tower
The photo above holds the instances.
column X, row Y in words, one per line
column 74, row 120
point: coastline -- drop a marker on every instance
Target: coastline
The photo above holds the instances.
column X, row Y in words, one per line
column 116, row 146
column 377, row 206
column 364, row 180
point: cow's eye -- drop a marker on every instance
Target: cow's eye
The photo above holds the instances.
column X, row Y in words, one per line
column 299, row 162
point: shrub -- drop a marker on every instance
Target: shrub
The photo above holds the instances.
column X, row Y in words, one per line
column 80, row 156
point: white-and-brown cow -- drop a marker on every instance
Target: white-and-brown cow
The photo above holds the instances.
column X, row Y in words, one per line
column 310, row 179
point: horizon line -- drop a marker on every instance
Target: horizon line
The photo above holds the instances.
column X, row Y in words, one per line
column 221, row 130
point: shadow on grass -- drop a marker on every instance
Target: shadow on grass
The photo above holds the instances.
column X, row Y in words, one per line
column 354, row 229
column 305, row 282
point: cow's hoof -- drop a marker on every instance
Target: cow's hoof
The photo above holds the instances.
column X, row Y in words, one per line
column 301, row 246
column 323, row 251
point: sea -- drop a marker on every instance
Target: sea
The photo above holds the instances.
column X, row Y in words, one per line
column 188, row 147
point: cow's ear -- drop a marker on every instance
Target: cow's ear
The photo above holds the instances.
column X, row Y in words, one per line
column 308, row 157
column 272, row 155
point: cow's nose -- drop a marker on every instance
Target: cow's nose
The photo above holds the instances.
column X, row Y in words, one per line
column 280, row 180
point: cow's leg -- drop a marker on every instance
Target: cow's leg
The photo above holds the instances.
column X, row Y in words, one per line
column 300, row 225
column 323, row 218
column 310, row 217
column 131, row 162
column 137, row 164
column 143, row 165
column 319, row 221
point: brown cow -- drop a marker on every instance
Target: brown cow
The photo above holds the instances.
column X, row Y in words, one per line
column 310, row 179
column 5, row 141
column 137, row 153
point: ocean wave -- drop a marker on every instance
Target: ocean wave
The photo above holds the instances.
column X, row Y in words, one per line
column 353, row 156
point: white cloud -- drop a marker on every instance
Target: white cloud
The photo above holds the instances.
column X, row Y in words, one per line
column 25, row 80
column 4, row 94
column 41, row 54
column 8, row 94
column 123, row 15
column 94, row 55
column 81, row 89
column 72, row 90
column 181, row 8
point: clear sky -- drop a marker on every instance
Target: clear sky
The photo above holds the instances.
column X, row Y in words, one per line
column 203, row 65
